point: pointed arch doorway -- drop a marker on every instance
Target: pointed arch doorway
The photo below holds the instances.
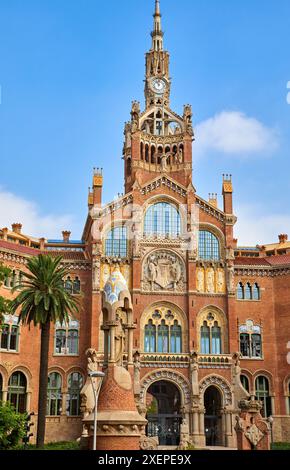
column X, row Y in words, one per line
column 213, row 417
column 163, row 402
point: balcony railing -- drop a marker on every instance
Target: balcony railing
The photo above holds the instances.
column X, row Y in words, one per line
column 215, row 361
column 164, row 360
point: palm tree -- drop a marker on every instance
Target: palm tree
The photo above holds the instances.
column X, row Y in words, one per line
column 43, row 300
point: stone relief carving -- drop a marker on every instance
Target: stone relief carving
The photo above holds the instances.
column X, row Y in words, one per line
column 166, row 375
column 163, row 270
column 96, row 274
column 254, row 435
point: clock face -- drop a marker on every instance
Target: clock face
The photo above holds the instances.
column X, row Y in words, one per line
column 158, row 85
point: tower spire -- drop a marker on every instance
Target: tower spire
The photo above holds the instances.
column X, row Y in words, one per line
column 157, row 34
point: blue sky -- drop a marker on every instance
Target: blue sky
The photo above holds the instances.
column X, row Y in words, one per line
column 70, row 69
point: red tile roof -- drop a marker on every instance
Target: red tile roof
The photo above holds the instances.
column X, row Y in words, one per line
column 279, row 260
column 25, row 250
column 251, row 261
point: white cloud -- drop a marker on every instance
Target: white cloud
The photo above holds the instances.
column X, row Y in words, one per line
column 16, row 209
column 234, row 133
column 254, row 227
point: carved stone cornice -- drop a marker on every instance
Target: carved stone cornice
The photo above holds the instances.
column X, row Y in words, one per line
column 168, row 183
column 209, row 209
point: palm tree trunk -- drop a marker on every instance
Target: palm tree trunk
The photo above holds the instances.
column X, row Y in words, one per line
column 43, row 379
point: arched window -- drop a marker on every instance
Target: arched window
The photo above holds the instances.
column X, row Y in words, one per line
column 116, row 242
column 208, row 246
column 150, row 337
column 175, row 335
column 75, row 383
column 256, row 292
column 67, row 338
column 162, row 219
column 153, row 150
column 240, row 291
column 163, row 332
column 129, row 166
column 54, row 395
column 9, row 334
column 263, row 395
column 163, row 336
column 17, row 391
column 248, row 291
column 250, row 340
column 210, row 338
column 245, row 383
column 68, row 285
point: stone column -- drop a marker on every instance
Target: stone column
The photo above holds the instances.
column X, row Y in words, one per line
column 229, row 432
column 195, row 423
column 28, row 401
column 112, row 344
column 130, row 344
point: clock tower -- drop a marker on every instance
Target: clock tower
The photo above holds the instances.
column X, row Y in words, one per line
column 157, row 140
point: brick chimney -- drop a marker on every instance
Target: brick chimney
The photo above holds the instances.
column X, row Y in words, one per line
column 16, row 228
column 283, row 238
column 66, row 236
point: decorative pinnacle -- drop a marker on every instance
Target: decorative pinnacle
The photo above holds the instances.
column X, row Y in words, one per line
column 157, row 34
column 157, row 7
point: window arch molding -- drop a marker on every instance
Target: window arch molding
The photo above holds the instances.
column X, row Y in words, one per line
column 122, row 247
column 163, row 308
column 219, row 317
column 5, row 376
column 175, row 203
column 249, row 377
column 207, row 227
column 63, row 374
column 27, row 374
column 268, row 375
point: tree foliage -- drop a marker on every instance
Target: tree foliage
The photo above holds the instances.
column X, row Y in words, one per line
column 12, row 426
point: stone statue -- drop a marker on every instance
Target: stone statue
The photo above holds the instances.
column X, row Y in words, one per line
column 194, row 373
column 187, row 117
column 210, row 281
column 231, row 279
column 220, row 281
column 135, row 115
column 200, row 280
column 164, row 163
column 119, row 341
column 96, row 274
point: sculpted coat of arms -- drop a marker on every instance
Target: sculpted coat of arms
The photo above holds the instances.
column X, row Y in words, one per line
column 163, row 270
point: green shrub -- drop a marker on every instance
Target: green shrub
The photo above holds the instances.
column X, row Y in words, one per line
column 12, row 426
column 280, row 446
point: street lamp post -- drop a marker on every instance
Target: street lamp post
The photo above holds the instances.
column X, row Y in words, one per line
column 96, row 375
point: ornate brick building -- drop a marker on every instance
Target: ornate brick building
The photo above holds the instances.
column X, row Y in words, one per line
column 212, row 319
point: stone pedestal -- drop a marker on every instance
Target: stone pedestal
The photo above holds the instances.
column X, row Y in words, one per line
column 252, row 430
column 120, row 426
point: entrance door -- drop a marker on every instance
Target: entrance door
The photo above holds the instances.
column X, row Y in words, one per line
column 163, row 413
column 213, row 417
